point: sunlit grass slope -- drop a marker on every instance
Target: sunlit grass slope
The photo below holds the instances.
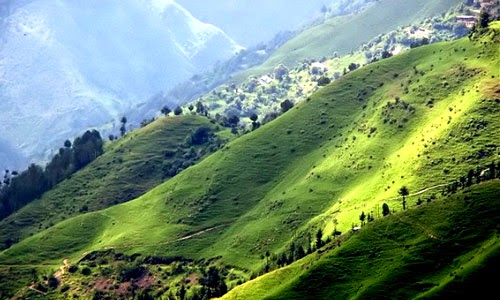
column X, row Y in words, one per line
column 130, row 166
column 447, row 249
column 340, row 35
column 420, row 119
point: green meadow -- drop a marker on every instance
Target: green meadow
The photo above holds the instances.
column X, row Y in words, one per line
column 421, row 119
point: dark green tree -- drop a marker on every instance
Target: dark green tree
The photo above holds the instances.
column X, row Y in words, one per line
column 123, row 128
column 300, row 252
column 178, row 111
column 492, row 170
column 201, row 109
column 268, row 254
column 385, row 209
column 200, row 136
column 370, row 218
column 280, row 72
column 87, row 148
column 404, row 192
column 484, row 19
column 233, row 121
column 165, row 110
column 319, row 236
column 386, row 54
column 463, row 181
column 182, row 292
column 470, row 177
column 353, row 66
column 323, row 80
column 254, row 117
column 286, row 105
column 362, row 217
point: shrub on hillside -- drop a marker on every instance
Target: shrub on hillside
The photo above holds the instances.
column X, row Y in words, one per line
column 323, row 80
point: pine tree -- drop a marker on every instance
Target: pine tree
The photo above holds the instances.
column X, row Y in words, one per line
column 319, row 236
column 385, row 209
column 403, row 191
column 362, row 217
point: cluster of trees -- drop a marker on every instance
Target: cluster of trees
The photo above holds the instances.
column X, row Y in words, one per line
column 297, row 251
column 418, row 43
column 198, row 108
column 366, row 217
column 211, row 282
column 213, row 285
column 490, row 172
column 196, row 144
column 19, row 189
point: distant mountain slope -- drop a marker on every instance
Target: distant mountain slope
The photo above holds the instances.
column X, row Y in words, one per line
column 344, row 34
column 66, row 66
column 421, row 119
column 252, row 22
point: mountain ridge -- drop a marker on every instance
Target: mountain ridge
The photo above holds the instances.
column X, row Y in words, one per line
column 89, row 69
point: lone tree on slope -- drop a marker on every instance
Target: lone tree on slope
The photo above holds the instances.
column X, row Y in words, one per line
column 385, row 209
column 178, row 111
column 165, row 110
column 362, row 217
column 403, row 191
column 123, row 129
column 319, row 237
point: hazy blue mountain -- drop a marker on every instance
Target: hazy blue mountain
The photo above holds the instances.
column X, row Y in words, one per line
column 69, row 65
column 252, row 21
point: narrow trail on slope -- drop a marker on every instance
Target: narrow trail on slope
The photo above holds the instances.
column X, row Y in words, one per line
column 424, row 228
column 62, row 269
column 420, row 192
column 25, row 290
column 198, row 233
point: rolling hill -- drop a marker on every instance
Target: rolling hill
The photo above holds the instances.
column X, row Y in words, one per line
column 129, row 167
column 446, row 249
column 422, row 120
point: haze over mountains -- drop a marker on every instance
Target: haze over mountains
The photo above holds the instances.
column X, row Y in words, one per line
column 355, row 158
column 66, row 67
column 257, row 21
column 69, row 65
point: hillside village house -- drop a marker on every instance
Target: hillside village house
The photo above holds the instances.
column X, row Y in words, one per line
column 467, row 20
column 470, row 20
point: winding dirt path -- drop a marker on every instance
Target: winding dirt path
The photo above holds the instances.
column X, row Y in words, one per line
column 62, row 269
column 424, row 228
column 420, row 192
column 187, row 237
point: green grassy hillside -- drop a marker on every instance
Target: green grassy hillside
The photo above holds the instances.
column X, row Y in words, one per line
column 421, row 119
column 340, row 35
column 130, row 166
column 443, row 250
column 263, row 94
